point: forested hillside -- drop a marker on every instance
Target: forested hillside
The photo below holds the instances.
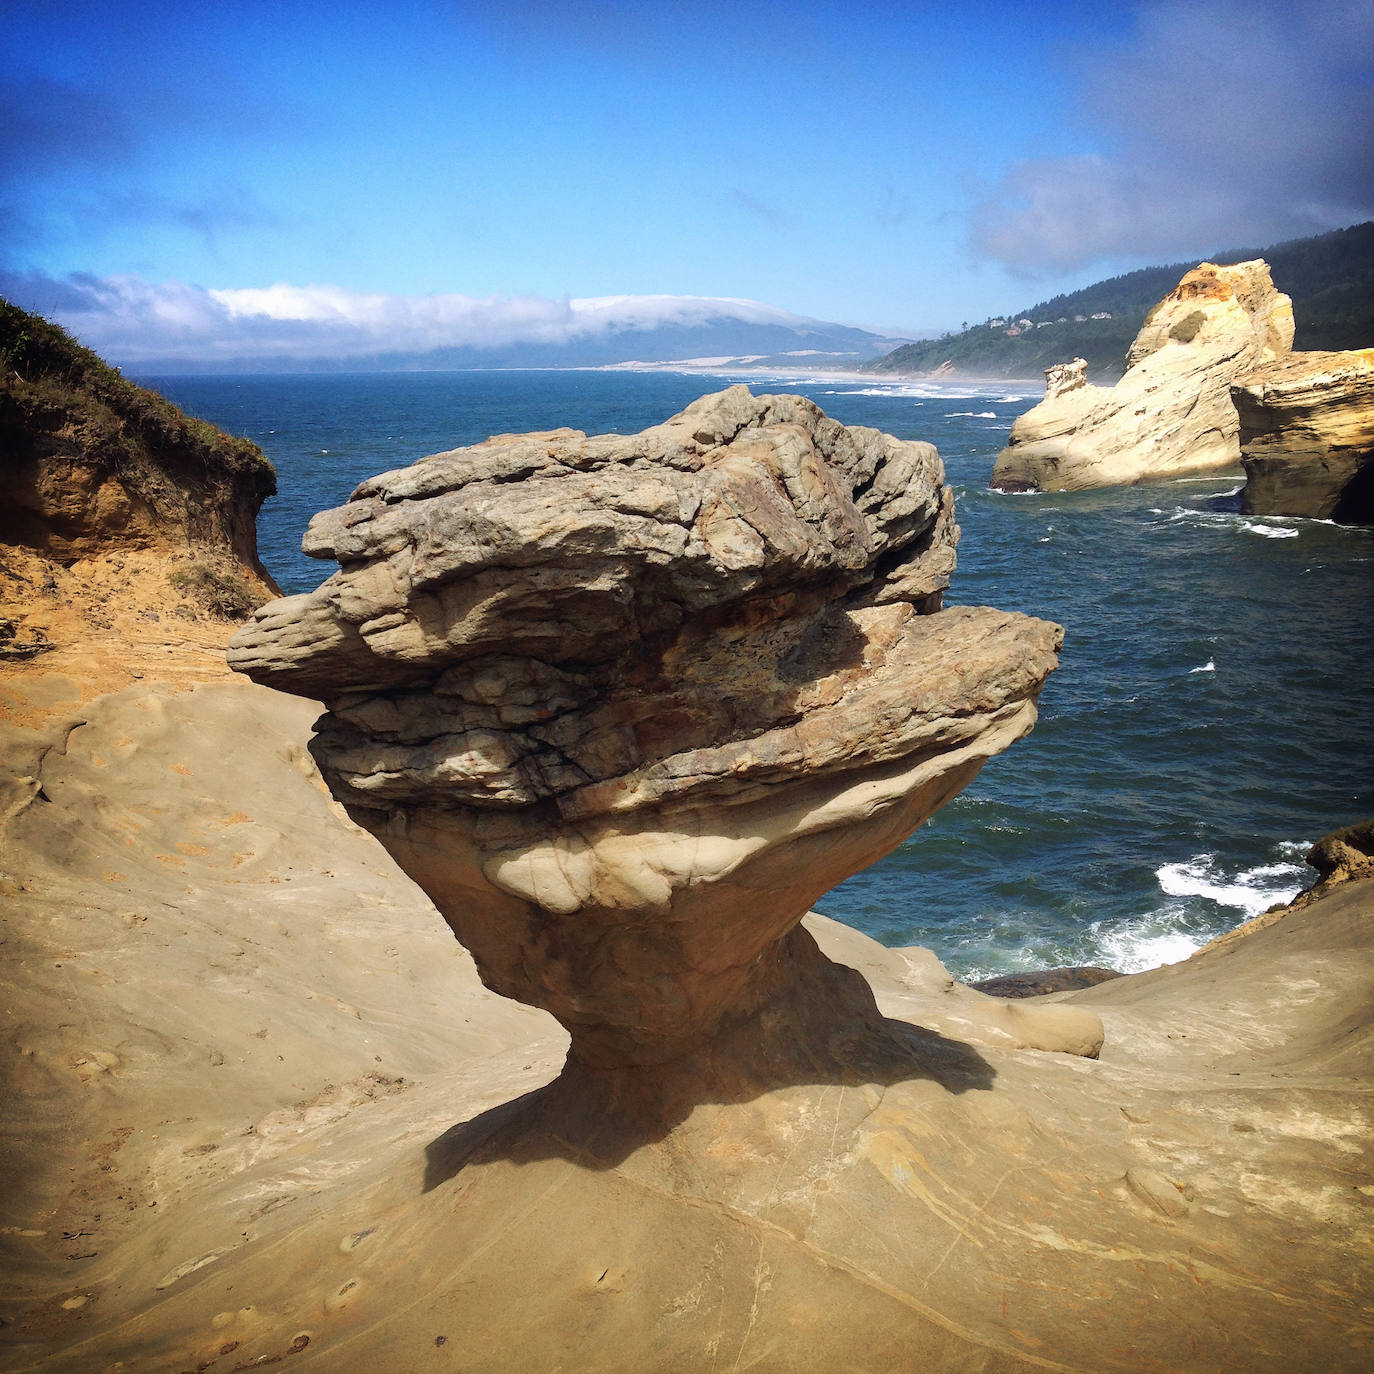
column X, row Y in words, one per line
column 1330, row 278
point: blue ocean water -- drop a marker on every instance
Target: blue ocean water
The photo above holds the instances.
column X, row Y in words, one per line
column 1210, row 717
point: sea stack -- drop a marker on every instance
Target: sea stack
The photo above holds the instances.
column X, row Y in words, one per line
column 1171, row 414
column 1307, row 436
column 626, row 706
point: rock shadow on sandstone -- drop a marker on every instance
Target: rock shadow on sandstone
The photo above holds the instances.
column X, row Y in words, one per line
column 596, row 1118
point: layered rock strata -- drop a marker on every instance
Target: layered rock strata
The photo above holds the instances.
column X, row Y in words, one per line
column 625, row 706
column 1170, row 414
column 1307, row 436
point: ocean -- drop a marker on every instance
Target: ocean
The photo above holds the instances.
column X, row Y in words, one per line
column 1209, row 720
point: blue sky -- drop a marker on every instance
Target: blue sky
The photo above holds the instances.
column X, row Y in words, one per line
column 902, row 167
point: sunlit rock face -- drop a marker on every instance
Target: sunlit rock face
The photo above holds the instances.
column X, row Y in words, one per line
column 1307, row 436
column 625, row 706
column 1170, row 414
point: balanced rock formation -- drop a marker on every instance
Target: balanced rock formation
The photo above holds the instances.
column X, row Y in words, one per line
column 1170, row 415
column 625, row 706
column 1307, row 436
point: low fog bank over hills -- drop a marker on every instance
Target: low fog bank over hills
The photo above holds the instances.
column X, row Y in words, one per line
column 812, row 343
column 172, row 328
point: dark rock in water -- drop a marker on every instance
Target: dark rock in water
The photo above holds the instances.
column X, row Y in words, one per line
column 1343, row 854
column 1041, row 981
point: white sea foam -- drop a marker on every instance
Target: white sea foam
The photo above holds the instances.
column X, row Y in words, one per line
column 1202, row 899
column 928, row 389
column 971, row 415
column 1209, row 667
column 1134, row 946
column 1232, row 520
column 1180, row 926
column 1250, row 891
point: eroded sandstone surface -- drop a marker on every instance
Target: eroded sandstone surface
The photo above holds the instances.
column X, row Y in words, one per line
column 1307, row 436
column 1170, row 414
column 259, row 1110
column 259, row 1113
column 625, row 706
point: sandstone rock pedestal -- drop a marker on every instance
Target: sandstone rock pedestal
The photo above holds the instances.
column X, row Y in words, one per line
column 626, row 706
column 1170, row 415
column 1307, row 436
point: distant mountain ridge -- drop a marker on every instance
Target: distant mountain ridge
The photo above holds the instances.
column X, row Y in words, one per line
column 1330, row 278
column 725, row 338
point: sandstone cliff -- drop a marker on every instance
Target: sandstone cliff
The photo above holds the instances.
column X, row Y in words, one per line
column 1307, row 436
column 1170, row 414
column 125, row 526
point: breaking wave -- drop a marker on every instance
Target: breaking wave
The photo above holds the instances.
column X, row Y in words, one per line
column 1249, row 891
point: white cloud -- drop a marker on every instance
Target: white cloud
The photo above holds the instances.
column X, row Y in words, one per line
column 133, row 321
column 1233, row 126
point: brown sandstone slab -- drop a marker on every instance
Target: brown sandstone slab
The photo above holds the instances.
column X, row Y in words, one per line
column 947, row 1197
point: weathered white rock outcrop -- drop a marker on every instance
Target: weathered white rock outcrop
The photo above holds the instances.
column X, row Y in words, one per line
column 1307, row 436
column 1171, row 413
column 626, row 706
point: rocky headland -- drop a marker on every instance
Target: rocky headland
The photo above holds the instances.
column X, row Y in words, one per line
column 1171, row 414
column 1307, row 436
column 624, row 707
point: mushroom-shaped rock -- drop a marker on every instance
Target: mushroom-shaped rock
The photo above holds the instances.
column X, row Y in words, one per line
column 625, row 706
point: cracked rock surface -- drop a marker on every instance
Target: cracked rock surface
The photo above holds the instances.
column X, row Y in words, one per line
column 624, row 706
